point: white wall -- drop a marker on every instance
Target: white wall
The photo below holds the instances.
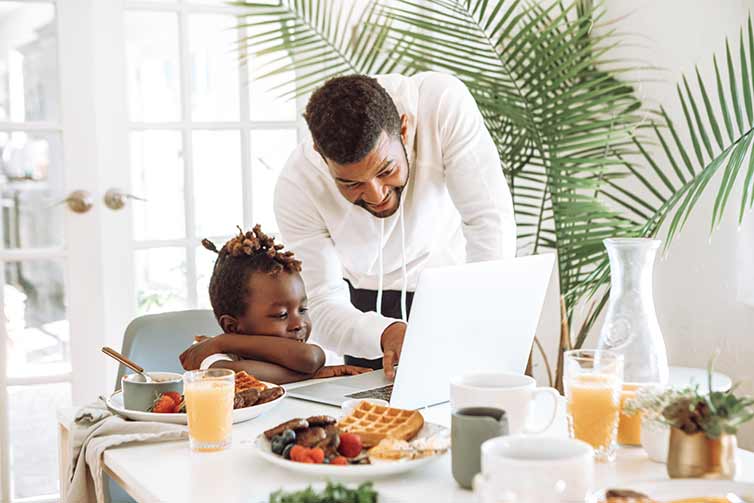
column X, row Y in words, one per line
column 699, row 284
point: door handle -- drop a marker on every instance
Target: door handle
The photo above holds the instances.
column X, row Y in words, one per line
column 78, row 201
column 116, row 199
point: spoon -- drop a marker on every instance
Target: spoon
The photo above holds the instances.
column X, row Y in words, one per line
column 128, row 363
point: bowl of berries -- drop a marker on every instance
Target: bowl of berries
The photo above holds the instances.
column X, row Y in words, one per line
column 372, row 441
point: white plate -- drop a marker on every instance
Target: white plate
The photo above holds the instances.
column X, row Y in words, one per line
column 115, row 403
column 351, row 472
column 669, row 490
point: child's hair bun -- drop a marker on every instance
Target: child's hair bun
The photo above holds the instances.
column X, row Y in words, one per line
column 254, row 243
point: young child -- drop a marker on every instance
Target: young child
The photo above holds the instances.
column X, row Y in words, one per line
column 259, row 300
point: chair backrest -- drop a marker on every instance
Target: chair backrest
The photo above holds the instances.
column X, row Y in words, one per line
column 154, row 341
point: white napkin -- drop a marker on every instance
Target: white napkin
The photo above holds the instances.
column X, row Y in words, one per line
column 95, row 429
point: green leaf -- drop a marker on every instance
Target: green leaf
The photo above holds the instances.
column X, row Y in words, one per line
column 723, row 102
column 733, row 88
column 710, row 113
column 745, row 80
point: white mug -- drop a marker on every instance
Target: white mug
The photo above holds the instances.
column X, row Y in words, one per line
column 511, row 392
column 536, row 469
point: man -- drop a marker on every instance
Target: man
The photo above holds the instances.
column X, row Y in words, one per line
column 399, row 174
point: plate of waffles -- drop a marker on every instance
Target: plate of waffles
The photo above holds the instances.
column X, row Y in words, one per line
column 678, row 491
column 372, row 441
column 252, row 399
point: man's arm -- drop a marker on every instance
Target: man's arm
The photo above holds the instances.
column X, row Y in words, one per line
column 337, row 325
column 473, row 173
column 300, row 358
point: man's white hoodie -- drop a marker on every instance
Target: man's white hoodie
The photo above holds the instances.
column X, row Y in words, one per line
column 456, row 207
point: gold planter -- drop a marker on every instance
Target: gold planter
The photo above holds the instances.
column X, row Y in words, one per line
column 697, row 456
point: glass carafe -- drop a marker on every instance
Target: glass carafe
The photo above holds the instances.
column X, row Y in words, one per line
column 631, row 327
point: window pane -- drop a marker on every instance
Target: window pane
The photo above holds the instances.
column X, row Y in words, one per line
column 265, row 94
column 270, row 150
column 28, row 62
column 160, row 280
column 31, row 180
column 157, row 176
column 33, row 437
column 37, row 327
column 205, row 262
column 153, row 66
column 217, row 182
column 214, row 67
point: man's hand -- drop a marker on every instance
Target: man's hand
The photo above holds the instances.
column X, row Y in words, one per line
column 340, row 370
column 392, row 344
column 193, row 357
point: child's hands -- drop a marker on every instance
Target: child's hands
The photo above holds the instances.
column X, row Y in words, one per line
column 340, row 370
column 203, row 347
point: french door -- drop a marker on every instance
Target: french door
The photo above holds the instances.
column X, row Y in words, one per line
column 147, row 103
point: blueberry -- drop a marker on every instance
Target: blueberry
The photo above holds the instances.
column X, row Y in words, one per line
column 277, row 445
column 288, row 436
column 287, row 451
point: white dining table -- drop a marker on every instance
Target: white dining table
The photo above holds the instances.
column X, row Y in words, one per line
column 171, row 472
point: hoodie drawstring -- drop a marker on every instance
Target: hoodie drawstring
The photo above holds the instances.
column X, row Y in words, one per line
column 404, row 285
column 379, row 255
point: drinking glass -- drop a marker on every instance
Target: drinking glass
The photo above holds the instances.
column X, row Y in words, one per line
column 209, row 408
column 593, row 382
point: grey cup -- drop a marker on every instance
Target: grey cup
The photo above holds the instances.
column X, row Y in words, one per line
column 470, row 428
column 140, row 395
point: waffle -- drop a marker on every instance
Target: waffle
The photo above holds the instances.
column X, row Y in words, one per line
column 245, row 381
column 372, row 423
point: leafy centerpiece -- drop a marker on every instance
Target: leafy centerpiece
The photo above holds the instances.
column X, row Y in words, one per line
column 703, row 427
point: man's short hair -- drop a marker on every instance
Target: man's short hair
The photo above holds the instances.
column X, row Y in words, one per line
column 348, row 114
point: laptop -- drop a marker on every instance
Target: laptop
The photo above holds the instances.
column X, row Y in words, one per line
column 465, row 317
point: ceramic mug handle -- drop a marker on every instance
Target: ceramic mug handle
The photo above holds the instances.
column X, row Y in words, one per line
column 553, row 393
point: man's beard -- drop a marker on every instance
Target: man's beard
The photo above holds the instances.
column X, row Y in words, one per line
column 397, row 191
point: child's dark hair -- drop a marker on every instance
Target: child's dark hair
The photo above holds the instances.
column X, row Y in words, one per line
column 247, row 253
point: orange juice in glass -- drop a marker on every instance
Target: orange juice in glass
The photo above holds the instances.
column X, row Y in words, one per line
column 629, row 427
column 209, row 408
column 593, row 380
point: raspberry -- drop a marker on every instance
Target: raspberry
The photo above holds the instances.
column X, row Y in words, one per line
column 350, row 445
column 299, row 453
column 340, row 460
column 317, row 455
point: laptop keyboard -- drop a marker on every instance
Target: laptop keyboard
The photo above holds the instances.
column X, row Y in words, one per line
column 383, row 393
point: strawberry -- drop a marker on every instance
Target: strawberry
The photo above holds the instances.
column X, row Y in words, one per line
column 177, row 398
column 340, row 460
column 350, row 445
column 163, row 404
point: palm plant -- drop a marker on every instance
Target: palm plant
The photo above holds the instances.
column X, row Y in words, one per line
column 573, row 138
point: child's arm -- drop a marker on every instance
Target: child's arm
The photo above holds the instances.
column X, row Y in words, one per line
column 301, row 358
column 263, row 371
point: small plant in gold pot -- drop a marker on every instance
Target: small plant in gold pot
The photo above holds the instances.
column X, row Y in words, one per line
column 703, row 432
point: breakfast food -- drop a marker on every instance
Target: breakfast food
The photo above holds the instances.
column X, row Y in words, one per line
column 628, row 496
column 372, row 423
column 249, row 391
column 245, row 381
column 324, row 439
column 294, row 424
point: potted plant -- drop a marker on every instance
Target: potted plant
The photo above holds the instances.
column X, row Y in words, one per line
column 650, row 402
column 703, row 431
